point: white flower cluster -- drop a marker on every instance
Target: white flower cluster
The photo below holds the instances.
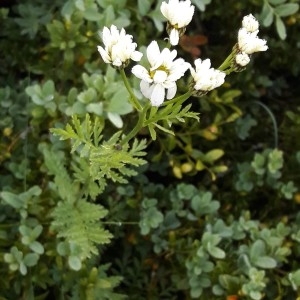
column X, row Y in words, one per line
column 162, row 75
column 205, row 78
column 179, row 14
column 119, row 48
column 158, row 81
column 248, row 41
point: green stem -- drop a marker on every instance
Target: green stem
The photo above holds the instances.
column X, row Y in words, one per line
column 275, row 127
column 132, row 99
column 179, row 99
column 138, row 125
column 226, row 63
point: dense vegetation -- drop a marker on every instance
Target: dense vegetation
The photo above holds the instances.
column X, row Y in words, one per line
column 209, row 212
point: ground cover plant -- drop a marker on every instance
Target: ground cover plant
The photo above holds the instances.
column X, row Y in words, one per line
column 148, row 151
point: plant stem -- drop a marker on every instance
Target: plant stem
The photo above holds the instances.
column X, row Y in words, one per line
column 275, row 127
column 179, row 99
column 226, row 63
column 138, row 125
column 132, row 99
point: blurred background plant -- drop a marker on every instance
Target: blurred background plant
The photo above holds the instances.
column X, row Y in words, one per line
column 215, row 212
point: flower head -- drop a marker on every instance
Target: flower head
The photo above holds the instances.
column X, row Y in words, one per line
column 248, row 42
column 162, row 75
column 250, row 23
column 179, row 14
column 242, row 59
column 205, row 78
column 118, row 47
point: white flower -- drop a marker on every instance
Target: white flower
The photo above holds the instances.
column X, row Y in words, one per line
column 242, row 59
column 248, row 42
column 162, row 75
column 179, row 14
column 250, row 23
column 119, row 48
column 206, row 78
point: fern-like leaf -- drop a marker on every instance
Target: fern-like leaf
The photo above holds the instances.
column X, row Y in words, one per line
column 85, row 135
column 89, row 187
column 170, row 114
column 106, row 159
column 79, row 224
column 116, row 164
column 54, row 161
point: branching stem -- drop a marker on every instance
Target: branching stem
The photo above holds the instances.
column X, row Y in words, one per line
column 227, row 62
column 134, row 102
column 138, row 125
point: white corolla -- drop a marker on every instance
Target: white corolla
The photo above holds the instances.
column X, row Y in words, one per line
column 205, row 78
column 179, row 14
column 159, row 80
column 118, row 47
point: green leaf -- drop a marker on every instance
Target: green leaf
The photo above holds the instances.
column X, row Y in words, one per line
column 280, row 27
column 36, row 247
column 258, row 248
column 164, row 129
column 267, row 15
column 150, row 218
column 229, row 282
column 295, row 279
column 275, row 161
column 23, row 268
column 92, row 13
column 201, row 4
column 216, row 252
column 95, row 108
column 265, row 262
column 152, row 131
column 48, row 90
column 31, row 259
column 213, row 155
column 276, row 2
column 119, row 103
column 79, row 224
column 68, row 8
column 12, row 199
column 74, row 263
column 87, row 96
column 144, row 6
column 286, row 9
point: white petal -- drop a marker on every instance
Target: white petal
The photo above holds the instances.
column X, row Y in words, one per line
column 136, row 56
column 141, row 73
column 178, row 13
column 250, row 23
column 153, row 53
column 171, row 91
column 158, row 95
column 242, row 59
column 174, row 37
column 117, row 62
column 104, row 55
column 164, row 9
column 105, row 35
column 146, row 89
column 160, row 76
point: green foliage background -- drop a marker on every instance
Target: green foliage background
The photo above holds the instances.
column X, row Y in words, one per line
column 211, row 212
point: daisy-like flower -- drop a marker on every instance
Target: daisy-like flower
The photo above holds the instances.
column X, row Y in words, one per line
column 248, row 42
column 118, row 47
column 179, row 14
column 160, row 79
column 205, row 78
column 250, row 23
